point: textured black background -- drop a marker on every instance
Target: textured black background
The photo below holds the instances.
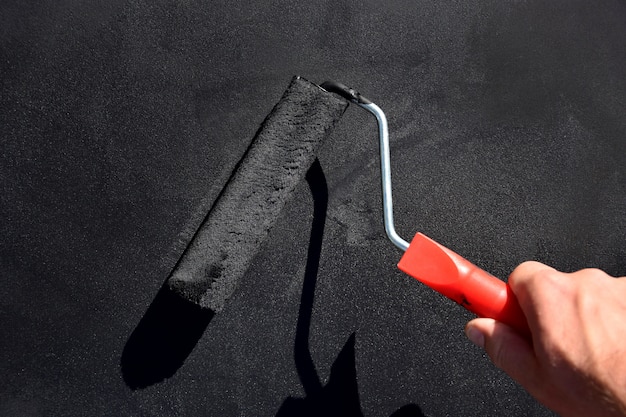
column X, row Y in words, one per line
column 120, row 122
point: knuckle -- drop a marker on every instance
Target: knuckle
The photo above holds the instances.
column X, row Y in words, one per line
column 592, row 273
column 543, row 278
column 553, row 282
column 527, row 273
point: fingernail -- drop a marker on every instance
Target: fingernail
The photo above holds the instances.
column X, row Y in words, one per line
column 475, row 336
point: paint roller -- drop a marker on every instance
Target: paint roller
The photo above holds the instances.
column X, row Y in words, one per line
column 275, row 162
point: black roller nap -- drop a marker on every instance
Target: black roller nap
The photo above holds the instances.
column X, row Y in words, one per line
column 278, row 158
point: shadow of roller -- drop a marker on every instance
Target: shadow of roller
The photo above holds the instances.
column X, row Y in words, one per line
column 232, row 233
column 159, row 344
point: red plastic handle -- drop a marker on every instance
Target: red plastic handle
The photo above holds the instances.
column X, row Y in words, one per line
column 463, row 282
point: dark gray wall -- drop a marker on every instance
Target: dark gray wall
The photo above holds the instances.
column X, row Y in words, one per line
column 121, row 121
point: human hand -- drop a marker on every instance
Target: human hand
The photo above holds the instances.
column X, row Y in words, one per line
column 576, row 362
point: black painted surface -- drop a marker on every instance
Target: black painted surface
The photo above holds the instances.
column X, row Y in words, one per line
column 121, row 122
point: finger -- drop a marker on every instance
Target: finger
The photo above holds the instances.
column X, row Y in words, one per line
column 523, row 281
column 506, row 349
column 525, row 271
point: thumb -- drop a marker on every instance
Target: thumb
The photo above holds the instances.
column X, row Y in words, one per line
column 506, row 348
